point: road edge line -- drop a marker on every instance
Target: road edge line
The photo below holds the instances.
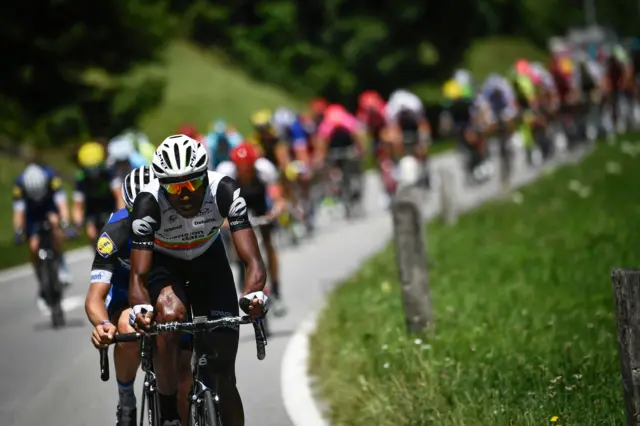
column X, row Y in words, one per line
column 295, row 384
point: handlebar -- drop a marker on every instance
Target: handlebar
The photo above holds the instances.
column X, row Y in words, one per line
column 199, row 324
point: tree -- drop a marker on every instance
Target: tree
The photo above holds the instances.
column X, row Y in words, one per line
column 66, row 65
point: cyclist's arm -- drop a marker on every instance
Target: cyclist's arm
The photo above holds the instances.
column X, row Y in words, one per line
column 60, row 198
column 281, row 151
column 104, row 265
column 78, row 199
column 234, row 207
column 19, row 207
column 145, row 221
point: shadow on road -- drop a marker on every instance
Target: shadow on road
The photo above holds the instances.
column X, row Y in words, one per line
column 70, row 323
column 274, row 335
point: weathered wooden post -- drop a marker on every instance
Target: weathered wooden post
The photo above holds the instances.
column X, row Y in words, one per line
column 411, row 260
column 626, row 289
column 448, row 196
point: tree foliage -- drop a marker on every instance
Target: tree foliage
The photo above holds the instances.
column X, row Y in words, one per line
column 340, row 47
column 66, row 62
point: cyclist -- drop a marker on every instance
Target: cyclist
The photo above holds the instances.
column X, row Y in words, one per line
column 97, row 190
column 267, row 141
column 408, row 130
column 220, row 141
column 298, row 173
column 317, row 107
column 38, row 195
column 371, row 113
column 107, row 304
column 190, row 129
column 258, row 181
column 122, row 156
column 175, row 224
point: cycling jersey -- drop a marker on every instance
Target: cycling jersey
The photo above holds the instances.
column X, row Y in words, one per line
column 335, row 118
column 402, row 100
column 499, row 94
column 95, row 189
column 546, row 79
column 111, row 260
column 256, row 193
column 157, row 225
column 37, row 210
column 296, row 135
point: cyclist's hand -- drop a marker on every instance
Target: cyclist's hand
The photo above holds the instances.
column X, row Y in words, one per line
column 140, row 317
column 255, row 304
column 103, row 335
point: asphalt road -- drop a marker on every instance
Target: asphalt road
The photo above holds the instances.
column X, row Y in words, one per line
column 52, row 376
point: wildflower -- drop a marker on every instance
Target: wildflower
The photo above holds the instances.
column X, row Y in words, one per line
column 385, row 347
column 385, row 286
column 554, row 419
column 426, row 347
column 577, row 376
column 417, row 341
column 386, row 365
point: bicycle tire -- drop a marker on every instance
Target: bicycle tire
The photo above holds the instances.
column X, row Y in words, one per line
column 210, row 415
column 153, row 409
column 52, row 294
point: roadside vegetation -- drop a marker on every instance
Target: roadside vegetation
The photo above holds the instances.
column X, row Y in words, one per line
column 525, row 327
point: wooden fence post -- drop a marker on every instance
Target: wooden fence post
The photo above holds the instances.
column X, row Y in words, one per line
column 626, row 289
column 448, row 196
column 411, row 260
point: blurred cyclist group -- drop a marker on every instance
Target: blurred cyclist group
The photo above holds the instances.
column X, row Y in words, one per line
column 580, row 94
column 295, row 160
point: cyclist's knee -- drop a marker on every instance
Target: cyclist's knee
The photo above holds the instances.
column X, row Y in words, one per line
column 169, row 307
column 91, row 231
column 54, row 220
column 226, row 348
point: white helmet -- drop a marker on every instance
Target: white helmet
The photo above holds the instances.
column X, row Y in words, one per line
column 134, row 182
column 179, row 158
column 35, row 181
column 283, row 117
column 120, row 148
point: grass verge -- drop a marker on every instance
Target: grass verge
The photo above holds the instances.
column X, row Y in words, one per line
column 525, row 326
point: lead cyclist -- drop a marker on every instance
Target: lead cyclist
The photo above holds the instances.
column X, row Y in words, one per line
column 178, row 261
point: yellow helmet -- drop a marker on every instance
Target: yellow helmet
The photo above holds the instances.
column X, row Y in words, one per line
column 91, row 154
column 261, row 118
column 452, row 90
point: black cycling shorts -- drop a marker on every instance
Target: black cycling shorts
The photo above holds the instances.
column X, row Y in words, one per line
column 204, row 283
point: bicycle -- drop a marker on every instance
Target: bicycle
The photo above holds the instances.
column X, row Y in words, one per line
column 51, row 287
column 345, row 179
column 204, row 400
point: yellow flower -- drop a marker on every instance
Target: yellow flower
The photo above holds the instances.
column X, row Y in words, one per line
column 554, row 419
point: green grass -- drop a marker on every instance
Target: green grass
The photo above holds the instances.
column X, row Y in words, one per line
column 525, row 325
column 201, row 88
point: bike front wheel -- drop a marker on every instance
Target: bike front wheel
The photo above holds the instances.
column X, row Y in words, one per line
column 209, row 415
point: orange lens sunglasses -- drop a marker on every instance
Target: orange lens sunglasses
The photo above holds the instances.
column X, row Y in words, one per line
column 190, row 185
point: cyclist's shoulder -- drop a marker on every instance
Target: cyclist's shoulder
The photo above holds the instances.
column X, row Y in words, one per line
column 119, row 216
column 114, row 240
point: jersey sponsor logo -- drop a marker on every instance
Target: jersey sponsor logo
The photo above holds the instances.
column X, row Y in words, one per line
column 97, row 276
column 17, row 192
column 106, row 246
column 173, row 218
column 198, row 222
column 173, row 228
column 143, row 226
column 238, row 206
column 204, row 211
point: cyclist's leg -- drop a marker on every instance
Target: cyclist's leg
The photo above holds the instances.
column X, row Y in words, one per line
column 126, row 356
column 218, row 299
column 91, row 229
column 184, row 376
column 166, row 288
